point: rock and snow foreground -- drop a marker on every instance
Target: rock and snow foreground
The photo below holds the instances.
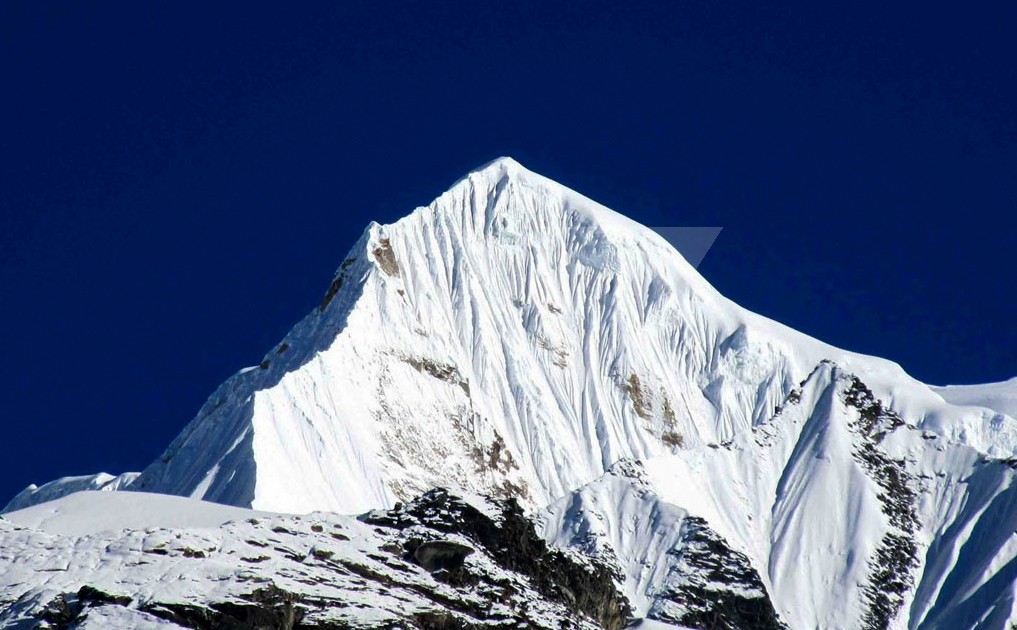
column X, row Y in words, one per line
column 516, row 340
column 438, row 562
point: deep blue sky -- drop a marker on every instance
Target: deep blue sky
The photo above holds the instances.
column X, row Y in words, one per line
column 177, row 184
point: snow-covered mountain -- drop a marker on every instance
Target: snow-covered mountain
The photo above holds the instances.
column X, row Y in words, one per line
column 512, row 337
column 517, row 340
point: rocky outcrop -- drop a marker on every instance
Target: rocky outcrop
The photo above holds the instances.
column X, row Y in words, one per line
column 269, row 608
column 504, row 533
column 714, row 586
column 437, row 555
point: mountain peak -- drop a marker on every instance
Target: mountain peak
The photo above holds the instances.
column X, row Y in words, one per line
column 496, row 173
column 513, row 338
column 501, row 165
column 501, row 195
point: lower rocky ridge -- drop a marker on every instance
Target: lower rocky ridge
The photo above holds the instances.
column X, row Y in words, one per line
column 713, row 586
column 583, row 586
column 438, row 562
column 891, row 570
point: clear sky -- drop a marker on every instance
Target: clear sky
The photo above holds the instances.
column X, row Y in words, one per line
column 178, row 183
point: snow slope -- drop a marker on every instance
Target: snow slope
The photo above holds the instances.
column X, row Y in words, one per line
column 1000, row 397
column 34, row 494
column 852, row 517
column 88, row 512
column 512, row 337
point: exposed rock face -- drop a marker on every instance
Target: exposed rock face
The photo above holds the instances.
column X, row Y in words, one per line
column 386, row 257
column 896, row 558
column 584, row 587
